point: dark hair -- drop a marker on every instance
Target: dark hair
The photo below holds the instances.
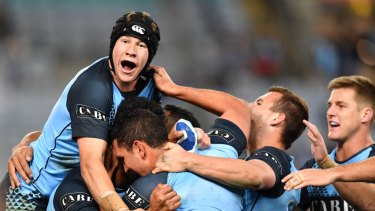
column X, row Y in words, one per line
column 139, row 119
column 141, row 103
column 175, row 113
column 295, row 110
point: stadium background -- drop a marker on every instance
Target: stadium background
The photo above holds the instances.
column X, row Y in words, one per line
column 241, row 47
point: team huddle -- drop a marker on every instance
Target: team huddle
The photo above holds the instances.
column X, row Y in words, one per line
column 110, row 144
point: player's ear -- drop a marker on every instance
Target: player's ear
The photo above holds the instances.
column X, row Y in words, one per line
column 139, row 148
column 367, row 114
column 277, row 118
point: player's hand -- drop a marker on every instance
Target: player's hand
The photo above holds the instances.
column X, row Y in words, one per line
column 318, row 146
column 164, row 198
column 174, row 135
column 204, row 141
column 173, row 159
column 307, row 177
column 163, row 82
column 19, row 162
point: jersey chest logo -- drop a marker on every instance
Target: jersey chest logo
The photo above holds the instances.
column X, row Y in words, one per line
column 69, row 199
column 84, row 111
column 136, row 199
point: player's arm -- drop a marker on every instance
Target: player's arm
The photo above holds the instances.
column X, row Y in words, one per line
column 92, row 152
column 230, row 171
column 27, row 139
column 357, row 194
column 254, row 174
column 355, row 172
column 19, row 160
column 219, row 103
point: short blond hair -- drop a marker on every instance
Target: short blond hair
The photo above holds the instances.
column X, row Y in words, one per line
column 364, row 88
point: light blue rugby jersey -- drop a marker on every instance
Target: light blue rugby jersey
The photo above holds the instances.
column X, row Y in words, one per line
column 202, row 194
column 197, row 193
column 275, row 198
column 86, row 108
column 327, row 197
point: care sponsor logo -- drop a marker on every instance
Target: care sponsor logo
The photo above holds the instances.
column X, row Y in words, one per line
column 227, row 136
column 69, row 199
column 136, row 199
column 330, row 204
column 84, row 111
column 138, row 29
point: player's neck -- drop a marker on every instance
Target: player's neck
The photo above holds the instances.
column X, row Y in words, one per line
column 353, row 145
column 271, row 137
column 273, row 142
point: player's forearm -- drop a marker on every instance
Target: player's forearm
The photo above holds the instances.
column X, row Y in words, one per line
column 26, row 141
column 363, row 171
column 327, row 163
column 213, row 101
column 29, row 138
column 231, row 172
column 100, row 185
column 358, row 194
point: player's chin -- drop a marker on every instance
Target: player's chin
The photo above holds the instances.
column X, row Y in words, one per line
column 128, row 78
column 334, row 137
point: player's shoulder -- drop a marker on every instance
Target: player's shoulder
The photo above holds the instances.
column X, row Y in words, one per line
column 96, row 71
column 270, row 150
column 95, row 76
column 225, row 129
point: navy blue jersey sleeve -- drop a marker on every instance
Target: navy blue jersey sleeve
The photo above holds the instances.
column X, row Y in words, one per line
column 226, row 132
column 72, row 194
column 279, row 161
column 138, row 194
column 90, row 102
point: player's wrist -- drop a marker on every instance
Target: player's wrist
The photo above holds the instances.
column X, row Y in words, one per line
column 327, row 162
column 190, row 162
column 175, row 91
column 17, row 148
column 110, row 200
column 338, row 173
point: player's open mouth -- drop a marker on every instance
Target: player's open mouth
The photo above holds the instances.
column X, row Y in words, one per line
column 128, row 65
column 334, row 124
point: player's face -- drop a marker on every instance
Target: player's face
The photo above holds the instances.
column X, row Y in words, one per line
column 261, row 113
column 133, row 159
column 261, row 108
column 129, row 57
column 343, row 115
